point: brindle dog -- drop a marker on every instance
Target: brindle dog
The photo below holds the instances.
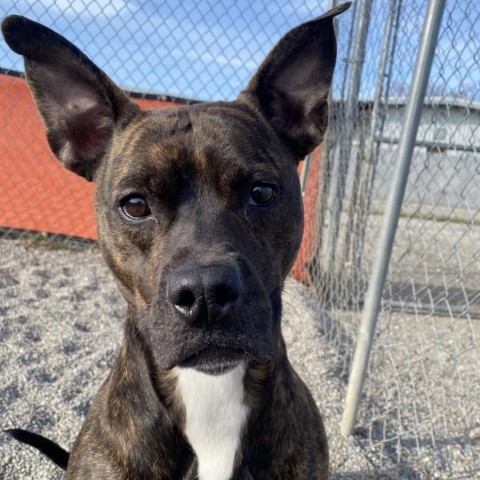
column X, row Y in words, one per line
column 199, row 216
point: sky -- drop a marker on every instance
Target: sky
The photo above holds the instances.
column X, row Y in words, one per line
column 209, row 49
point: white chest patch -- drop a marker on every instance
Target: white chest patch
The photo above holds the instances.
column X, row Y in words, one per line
column 216, row 413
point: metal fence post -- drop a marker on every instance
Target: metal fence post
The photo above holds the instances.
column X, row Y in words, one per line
column 413, row 112
column 370, row 156
column 341, row 172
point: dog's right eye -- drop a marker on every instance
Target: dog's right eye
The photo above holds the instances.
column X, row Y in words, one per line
column 135, row 206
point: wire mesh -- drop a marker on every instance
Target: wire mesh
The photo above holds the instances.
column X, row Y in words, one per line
column 420, row 413
column 420, row 408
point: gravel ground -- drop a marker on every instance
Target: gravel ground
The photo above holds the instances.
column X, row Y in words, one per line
column 420, row 403
column 61, row 324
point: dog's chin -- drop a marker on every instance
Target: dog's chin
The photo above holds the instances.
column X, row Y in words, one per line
column 210, row 350
column 214, row 360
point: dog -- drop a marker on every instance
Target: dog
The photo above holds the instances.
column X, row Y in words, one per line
column 199, row 216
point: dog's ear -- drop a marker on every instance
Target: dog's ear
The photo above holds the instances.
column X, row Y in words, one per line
column 78, row 102
column 292, row 84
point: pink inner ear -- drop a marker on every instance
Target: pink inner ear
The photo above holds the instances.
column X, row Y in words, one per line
column 88, row 128
column 284, row 110
column 78, row 119
column 278, row 123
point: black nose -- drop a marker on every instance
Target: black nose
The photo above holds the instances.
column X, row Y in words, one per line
column 204, row 294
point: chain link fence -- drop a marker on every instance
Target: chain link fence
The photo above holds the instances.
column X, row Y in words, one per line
column 420, row 409
column 420, row 402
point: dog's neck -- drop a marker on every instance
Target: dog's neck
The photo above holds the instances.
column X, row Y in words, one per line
column 215, row 416
column 226, row 421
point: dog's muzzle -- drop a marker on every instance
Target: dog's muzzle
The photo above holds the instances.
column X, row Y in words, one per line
column 209, row 315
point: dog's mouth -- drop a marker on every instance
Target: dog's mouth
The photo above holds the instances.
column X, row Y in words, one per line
column 214, row 359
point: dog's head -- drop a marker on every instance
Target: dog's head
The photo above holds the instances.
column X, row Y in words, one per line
column 199, row 209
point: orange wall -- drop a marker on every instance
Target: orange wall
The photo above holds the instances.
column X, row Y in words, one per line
column 37, row 192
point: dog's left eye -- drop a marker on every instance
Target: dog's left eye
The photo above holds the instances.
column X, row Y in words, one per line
column 262, row 194
column 135, row 207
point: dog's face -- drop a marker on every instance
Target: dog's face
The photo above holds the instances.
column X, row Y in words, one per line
column 199, row 210
column 200, row 217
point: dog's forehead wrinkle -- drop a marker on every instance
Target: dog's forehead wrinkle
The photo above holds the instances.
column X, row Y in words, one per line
column 152, row 153
column 171, row 148
column 228, row 122
column 229, row 163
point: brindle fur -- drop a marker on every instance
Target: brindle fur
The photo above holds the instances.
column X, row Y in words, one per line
column 196, row 166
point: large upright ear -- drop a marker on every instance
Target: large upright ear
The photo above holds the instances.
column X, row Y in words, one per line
column 78, row 102
column 292, row 84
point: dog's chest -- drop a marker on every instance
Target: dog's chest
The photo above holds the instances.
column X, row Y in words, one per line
column 215, row 416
